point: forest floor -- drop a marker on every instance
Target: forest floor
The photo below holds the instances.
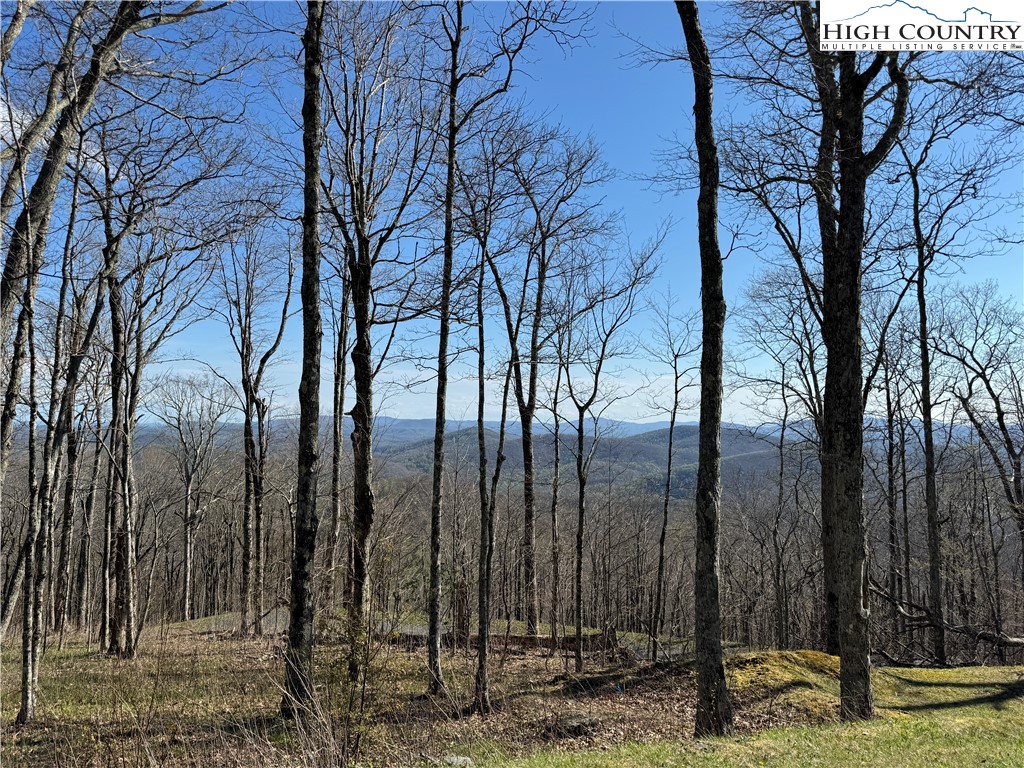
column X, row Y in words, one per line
column 197, row 696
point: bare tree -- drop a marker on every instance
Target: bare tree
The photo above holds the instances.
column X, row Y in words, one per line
column 380, row 141
column 154, row 186
column 714, row 711
column 673, row 345
column 981, row 333
column 147, row 180
column 554, row 172
column 843, row 116
column 35, row 540
column 27, row 242
column 487, row 201
column 487, row 69
column 948, row 185
column 822, row 174
column 248, row 284
column 599, row 302
column 341, row 512
column 298, row 689
column 192, row 408
column 152, row 301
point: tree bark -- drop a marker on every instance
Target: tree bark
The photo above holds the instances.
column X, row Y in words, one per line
column 779, row 569
column 488, row 502
column 842, row 475
column 931, row 494
column 122, row 620
column 435, row 678
column 893, row 571
column 187, row 522
column 654, row 630
column 842, row 230
column 109, row 523
column 63, row 585
column 35, row 542
column 362, row 453
column 258, row 492
column 714, row 710
column 298, row 694
column 248, row 547
column 338, row 433
column 83, row 570
column 581, row 513
column 842, row 480
column 556, row 546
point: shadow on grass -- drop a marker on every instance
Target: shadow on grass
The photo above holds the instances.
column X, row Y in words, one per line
column 999, row 696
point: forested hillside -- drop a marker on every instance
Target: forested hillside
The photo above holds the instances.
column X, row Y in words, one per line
column 392, row 383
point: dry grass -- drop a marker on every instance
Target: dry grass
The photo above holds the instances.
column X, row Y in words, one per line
column 206, row 698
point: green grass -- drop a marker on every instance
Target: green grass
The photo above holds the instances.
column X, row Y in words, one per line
column 927, row 718
column 195, row 699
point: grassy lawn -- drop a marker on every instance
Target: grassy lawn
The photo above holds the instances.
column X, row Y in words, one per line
column 928, row 718
column 211, row 700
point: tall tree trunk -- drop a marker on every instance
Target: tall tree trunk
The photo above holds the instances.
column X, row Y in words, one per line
column 109, row 523
column 527, row 410
column 556, row 547
column 931, row 494
column 842, row 229
column 298, row 693
column 779, row 569
column 654, row 631
column 64, row 584
column 528, row 545
column 488, row 502
column 35, row 544
column 714, row 711
column 338, row 434
column 186, row 598
column 12, row 390
column 526, row 402
column 360, row 273
column 581, row 512
column 842, row 476
column 435, row 682
column 259, row 479
column 248, row 543
column 893, row 572
column 824, row 188
column 82, row 574
column 481, row 686
column 122, row 623
column 60, row 426
column 908, row 584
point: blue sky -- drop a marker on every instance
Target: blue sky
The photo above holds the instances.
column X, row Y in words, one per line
column 631, row 111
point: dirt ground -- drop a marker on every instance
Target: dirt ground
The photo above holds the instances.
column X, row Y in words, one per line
column 207, row 698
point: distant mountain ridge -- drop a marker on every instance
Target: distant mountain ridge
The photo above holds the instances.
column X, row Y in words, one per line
column 634, row 454
column 633, row 460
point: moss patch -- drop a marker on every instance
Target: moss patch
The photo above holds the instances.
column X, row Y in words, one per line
column 786, row 686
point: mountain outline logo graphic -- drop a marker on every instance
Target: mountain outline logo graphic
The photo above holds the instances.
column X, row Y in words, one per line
column 921, row 25
column 911, row 6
